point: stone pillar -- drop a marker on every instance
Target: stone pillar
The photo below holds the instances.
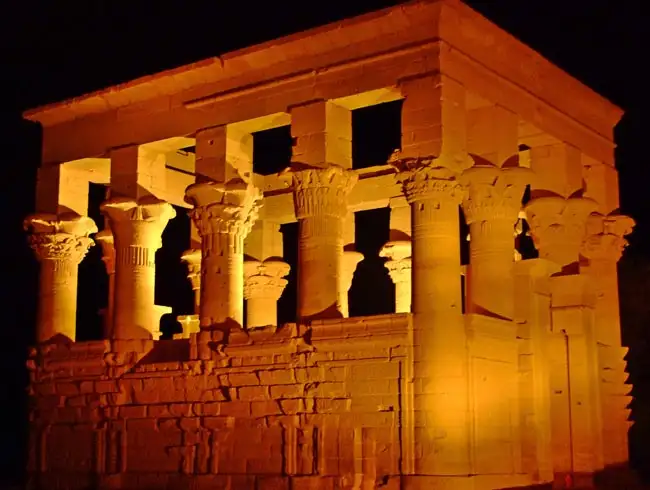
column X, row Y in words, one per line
column 192, row 258
column 603, row 247
column 224, row 215
column 137, row 227
column 349, row 262
column 320, row 199
column 440, row 373
column 399, row 270
column 60, row 243
column 491, row 206
column 105, row 239
column 263, row 286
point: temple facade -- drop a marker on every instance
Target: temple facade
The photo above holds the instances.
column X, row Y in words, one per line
column 504, row 372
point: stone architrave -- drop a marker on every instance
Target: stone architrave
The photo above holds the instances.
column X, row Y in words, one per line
column 264, row 283
column 107, row 242
column 192, row 258
column 320, row 200
column 137, row 227
column 440, row 366
column 399, row 270
column 492, row 204
column 558, row 226
column 223, row 214
column 60, row 243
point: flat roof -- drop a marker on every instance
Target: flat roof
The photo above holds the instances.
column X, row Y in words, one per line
column 449, row 21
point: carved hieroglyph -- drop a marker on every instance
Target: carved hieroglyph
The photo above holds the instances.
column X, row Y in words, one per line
column 137, row 228
column 60, row 243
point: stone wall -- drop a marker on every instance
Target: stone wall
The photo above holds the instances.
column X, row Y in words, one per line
column 320, row 407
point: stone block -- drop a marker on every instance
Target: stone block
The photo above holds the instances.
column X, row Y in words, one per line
column 277, row 377
column 253, row 393
column 264, row 408
column 236, row 408
column 243, row 379
column 133, row 411
column 287, row 391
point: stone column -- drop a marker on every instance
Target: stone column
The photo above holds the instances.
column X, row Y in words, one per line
column 224, row 215
column 603, row 248
column 440, row 375
column 192, row 258
column 320, row 199
column 137, row 227
column 491, row 205
column 60, row 243
column 399, row 270
column 105, row 239
column 263, row 286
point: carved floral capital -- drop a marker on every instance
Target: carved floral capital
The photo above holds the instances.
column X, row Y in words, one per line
column 493, row 193
column 321, row 191
column 558, row 226
column 605, row 236
column 107, row 242
column 425, row 178
column 138, row 223
column 192, row 259
column 231, row 208
column 399, row 263
column 60, row 237
column 265, row 280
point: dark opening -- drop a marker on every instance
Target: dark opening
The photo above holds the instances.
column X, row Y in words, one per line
column 464, row 233
column 372, row 291
column 172, row 286
column 92, row 290
column 272, row 150
column 376, row 133
column 287, row 305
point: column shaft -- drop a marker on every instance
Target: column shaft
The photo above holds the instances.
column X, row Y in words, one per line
column 57, row 312
column 439, row 338
column 61, row 243
column 261, row 312
column 222, row 279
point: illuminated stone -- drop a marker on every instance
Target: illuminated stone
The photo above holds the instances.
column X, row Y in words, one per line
column 263, row 285
column 60, row 242
column 137, row 227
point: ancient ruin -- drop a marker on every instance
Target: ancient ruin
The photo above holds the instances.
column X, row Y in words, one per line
column 504, row 372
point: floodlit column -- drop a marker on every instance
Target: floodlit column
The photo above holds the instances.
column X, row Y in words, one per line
column 439, row 339
column 263, row 285
column 192, row 258
column 60, row 243
column 603, row 248
column 399, row 270
column 491, row 206
column 137, row 227
column 558, row 226
column 105, row 239
column 224, row 215
column 320, row 200
column 349, row 262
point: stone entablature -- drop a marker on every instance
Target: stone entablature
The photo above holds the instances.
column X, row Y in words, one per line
column 501, row 372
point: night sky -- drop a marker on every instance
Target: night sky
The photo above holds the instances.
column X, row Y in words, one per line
column 51, row 51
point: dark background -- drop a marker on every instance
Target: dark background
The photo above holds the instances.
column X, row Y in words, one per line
column 55, row 50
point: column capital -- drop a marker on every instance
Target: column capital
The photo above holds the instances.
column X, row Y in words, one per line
column 493, row 193
column 426, row 178
column 192, row 259
column 265, row 279
column 396, row 250
column 321, row 191
column 228, row 208
column 558, row 226
column 605, row 236
column 138, row 222
column 60, row 237
column 399, row 270
column 107, row 242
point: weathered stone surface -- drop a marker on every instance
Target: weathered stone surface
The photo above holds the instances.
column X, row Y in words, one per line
column 495, row 374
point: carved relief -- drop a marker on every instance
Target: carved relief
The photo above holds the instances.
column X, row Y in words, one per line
column 63, row 237
column 605, row 236
column 425, row 178
column 321, row 191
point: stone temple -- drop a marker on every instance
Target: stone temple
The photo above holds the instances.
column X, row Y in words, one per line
column 504, row 372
